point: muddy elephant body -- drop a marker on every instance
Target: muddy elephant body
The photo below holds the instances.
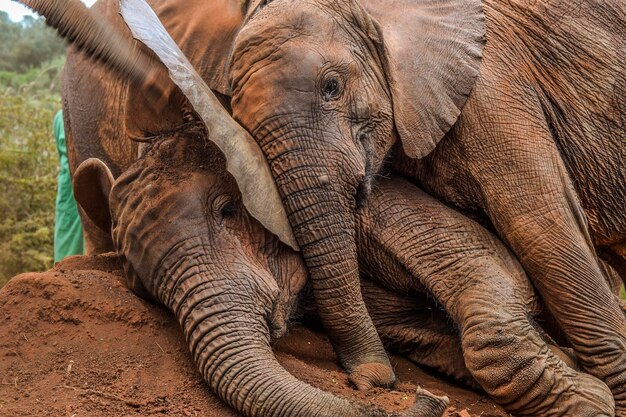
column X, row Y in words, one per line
column 526, row 133
column 342, row 104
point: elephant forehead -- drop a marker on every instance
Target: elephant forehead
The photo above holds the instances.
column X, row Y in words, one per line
column 292, row 18
column 299, row 25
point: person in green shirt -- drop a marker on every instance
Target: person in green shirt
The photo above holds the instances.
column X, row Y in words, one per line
column 68, row 232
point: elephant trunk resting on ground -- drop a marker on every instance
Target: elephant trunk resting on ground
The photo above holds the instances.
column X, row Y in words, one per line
column 186, row 240
column 524, row 401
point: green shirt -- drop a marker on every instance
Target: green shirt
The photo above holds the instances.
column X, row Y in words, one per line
column 68, row 232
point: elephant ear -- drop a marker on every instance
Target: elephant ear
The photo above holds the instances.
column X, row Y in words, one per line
column 244, row 159
column 204, row 31
column 92, row 184
column 433, row 52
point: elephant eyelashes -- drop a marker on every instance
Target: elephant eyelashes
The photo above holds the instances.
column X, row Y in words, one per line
column 223, row 208
column 264, row 3
column 330, row 89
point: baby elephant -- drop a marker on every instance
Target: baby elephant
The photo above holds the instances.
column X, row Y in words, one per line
column 187, row 241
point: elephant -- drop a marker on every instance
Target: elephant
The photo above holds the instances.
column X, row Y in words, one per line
column 471, row 275
column 491, row 106
column 187, row 242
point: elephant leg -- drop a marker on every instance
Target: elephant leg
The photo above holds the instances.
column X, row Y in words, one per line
column 615, row 256
column 529, row 197
column 417, row 329
column 415, row 242
column 510, row 359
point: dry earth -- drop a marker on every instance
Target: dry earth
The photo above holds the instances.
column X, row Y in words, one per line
column 74, row 341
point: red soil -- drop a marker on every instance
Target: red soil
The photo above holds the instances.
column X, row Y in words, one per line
column 74, row 341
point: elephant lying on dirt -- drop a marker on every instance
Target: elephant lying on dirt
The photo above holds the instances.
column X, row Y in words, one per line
column 186, row 240
column 326, row 86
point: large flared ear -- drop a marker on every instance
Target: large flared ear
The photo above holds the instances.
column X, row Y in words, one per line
column 433, row 50
column 92, row 183
column 244, row 159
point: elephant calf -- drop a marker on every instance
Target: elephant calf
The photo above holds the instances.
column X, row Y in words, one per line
column 186, row 241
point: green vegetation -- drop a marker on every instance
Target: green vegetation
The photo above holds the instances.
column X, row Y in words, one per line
column 31, row 58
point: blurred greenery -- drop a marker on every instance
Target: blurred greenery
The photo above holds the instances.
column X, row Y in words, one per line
column 27, row 44
column 31, row 58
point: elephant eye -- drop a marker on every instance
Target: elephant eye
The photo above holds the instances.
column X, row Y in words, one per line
column 330, row 89
column 223, row 208
column 228, row 210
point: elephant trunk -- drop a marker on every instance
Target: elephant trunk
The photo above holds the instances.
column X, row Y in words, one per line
column 323, row 225
column 227, row 331
column 97, row 38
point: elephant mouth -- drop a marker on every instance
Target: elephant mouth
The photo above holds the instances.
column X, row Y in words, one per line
column 364, row 189
column 284, row 314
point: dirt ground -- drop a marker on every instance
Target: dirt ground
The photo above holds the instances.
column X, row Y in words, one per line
column 75, row 342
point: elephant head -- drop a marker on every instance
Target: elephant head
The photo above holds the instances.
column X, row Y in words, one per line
column 325, row 87
column 186, row 240
column 180, row 221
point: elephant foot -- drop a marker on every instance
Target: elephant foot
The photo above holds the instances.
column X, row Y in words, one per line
column 427, row 405
column 593, row 399
column 373, row 374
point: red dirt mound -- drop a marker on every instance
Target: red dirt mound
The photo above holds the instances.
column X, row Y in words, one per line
column 74, row 341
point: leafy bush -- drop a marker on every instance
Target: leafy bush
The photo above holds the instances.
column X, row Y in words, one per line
column 28, row 168
column 31, row 58
column 46, row 77
column 27, row 44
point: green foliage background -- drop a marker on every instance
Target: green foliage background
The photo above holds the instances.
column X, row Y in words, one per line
column 31, row 58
